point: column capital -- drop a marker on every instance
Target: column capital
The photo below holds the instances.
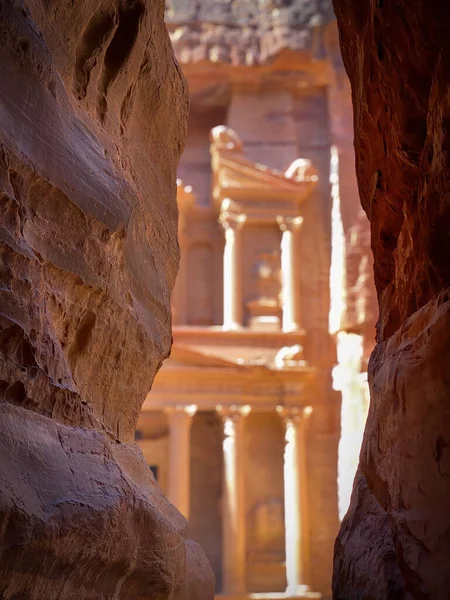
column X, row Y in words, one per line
column 181, row 410
column 294, row 414
column 289, row 223
column 232, row 221
column 234, row 412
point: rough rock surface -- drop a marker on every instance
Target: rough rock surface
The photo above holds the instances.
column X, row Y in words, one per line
column 361, row 310
column 246, row 32
column 92, row 122
column 394, row 542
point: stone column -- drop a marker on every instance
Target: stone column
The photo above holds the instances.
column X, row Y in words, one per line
column 186, row 201
column 295, row 499
column 233, row 510
column 180, row 420
column 179, row 293
column 289, row 272
column 232, row 274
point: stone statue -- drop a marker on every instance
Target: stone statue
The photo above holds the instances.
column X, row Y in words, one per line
column 268, row 276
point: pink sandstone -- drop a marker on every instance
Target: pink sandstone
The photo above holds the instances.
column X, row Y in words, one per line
column 93, row 114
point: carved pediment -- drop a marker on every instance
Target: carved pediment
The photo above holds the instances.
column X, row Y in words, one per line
column 238, row 179
column 188, row 356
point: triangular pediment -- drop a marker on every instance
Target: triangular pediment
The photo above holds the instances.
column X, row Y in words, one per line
column 238, row 176
column 188, row 356
column 241, row 173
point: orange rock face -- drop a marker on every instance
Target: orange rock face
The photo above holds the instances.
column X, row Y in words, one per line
column 394, row 542
column 92, row 122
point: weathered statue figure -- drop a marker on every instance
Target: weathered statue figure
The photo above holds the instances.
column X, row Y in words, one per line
column 269, row 276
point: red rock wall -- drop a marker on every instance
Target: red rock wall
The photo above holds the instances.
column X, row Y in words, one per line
column 394, row 540
column 92, row 122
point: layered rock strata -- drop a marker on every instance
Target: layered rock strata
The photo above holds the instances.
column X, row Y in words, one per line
column 92, row 122
column 394, row 542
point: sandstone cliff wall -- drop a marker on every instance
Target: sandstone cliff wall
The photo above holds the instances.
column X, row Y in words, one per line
column 92, row 122
column 394, row 541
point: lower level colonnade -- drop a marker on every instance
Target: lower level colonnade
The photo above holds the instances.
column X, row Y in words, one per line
column 234, row 535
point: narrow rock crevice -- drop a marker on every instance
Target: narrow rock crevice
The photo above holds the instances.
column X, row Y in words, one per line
column 129, row 16
column 90, row 46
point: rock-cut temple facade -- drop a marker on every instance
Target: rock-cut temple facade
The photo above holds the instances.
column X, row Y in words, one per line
column 243, row 424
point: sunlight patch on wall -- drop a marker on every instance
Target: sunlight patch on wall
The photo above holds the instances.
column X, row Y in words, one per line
column 347, row 376
column 352, row 383
column 337, row 268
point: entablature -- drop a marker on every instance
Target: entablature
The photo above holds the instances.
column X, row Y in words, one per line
column 190, row 375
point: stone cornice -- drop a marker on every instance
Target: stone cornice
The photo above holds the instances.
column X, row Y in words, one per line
column 262, row 389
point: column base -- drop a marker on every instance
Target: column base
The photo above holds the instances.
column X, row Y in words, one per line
column 290, row 327
column 306, row 595
column 232, row 326
column 298, row 591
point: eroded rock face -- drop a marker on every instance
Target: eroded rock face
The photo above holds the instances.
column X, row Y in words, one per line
column 92, row 122
column 394, row 541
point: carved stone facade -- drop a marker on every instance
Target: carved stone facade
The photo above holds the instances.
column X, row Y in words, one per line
column 244, row 413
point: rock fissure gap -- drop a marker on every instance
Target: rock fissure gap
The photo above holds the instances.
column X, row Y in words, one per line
column 403, row 463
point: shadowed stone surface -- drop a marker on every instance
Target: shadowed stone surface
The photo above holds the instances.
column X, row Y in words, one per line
column 394, row 542
column 92, row 122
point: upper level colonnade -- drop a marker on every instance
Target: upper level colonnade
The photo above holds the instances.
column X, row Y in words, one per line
column 247, row 195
